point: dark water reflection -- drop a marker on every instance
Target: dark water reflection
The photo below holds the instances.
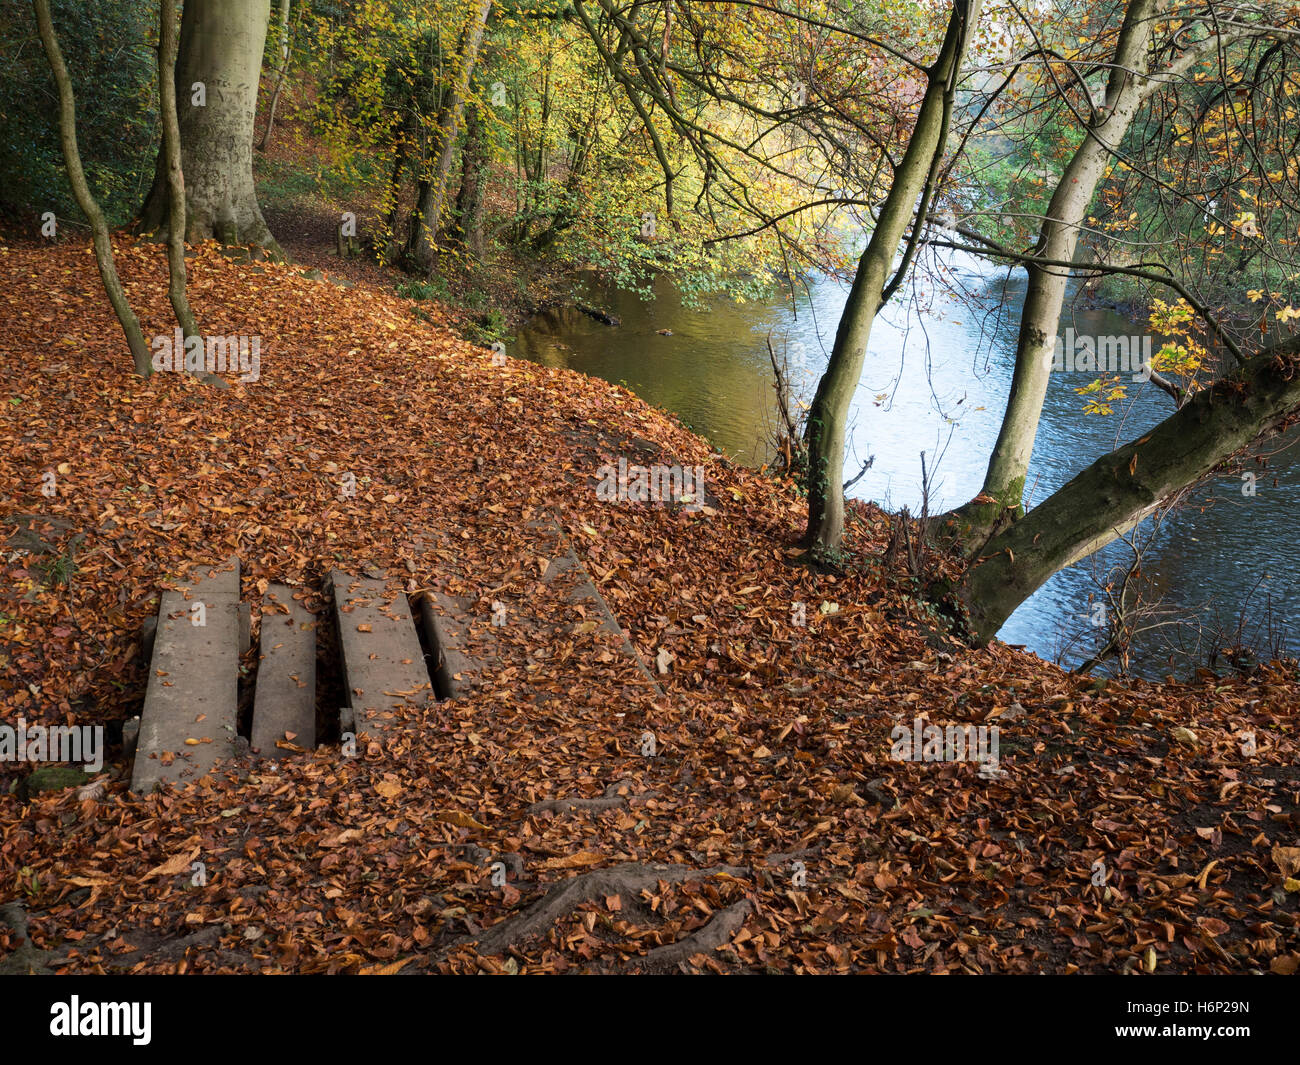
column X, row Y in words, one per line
column 936, row 378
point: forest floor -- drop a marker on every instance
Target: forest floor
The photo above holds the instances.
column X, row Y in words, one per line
column 304, row 196
column 1127, row 829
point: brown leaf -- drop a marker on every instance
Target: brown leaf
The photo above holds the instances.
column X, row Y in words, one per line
column 385, row 970
column 574, row 861
column 1287, row 860
column 173, row 866
column 461, row 820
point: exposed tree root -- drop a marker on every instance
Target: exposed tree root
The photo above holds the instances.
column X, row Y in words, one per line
column 704, row 940
column 611, row 800
column 514, row 862
column 26, row 958
column 157, row 948
column 630, row 878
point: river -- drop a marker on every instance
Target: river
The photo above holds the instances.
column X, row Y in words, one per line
column 936, row 378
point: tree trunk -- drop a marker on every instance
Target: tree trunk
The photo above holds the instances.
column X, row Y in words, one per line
column 543, row 122
column 422, row 246
column 1058, row 238
column 217, row 77
column 1117, row 491
column 171, row 138
column 279, row 75
column 828, row 414
column 140, row 352
column 391, row 244
column 469, row 200
column 415, row 222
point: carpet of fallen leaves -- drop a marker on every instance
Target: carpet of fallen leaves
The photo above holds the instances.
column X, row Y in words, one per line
column 770, row 831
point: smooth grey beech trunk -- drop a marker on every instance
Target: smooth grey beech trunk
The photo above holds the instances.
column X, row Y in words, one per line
column 1058, row 239
column 217, row 75
column 175, row 176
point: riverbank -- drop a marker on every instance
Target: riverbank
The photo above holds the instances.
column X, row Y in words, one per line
column 1123, row 828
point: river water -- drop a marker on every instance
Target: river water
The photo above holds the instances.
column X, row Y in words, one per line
column 937, row 374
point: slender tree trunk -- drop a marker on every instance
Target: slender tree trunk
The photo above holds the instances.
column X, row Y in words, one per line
column 544, row 121
column 828, row 414
column 1117, row 491
column 171, row 137
column 1058, row 239
column 140, row 352
column 434, row 192
column 394, row 192
column 217, row 77
column 279, row 75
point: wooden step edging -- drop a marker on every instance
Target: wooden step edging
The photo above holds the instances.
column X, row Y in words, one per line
column 447, row 622
column 383, row 662
column 284, row 700
column 190, row 709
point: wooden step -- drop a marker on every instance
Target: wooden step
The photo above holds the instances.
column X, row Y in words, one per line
column 447, row 621
column 582, row 596
column 190, row 706
column 383, row 663
column 284, row 702
column 450, row 624
column 461, row 634
column 583, row 593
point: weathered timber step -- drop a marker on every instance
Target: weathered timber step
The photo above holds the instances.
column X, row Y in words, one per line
column 583, row 593
column 149, row 631
column 284, row 701
column 191, row 702
column 459, row 634
column 383, row 663
column 447, row 620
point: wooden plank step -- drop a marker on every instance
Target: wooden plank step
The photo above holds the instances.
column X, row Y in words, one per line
column 456, row 629
column 193, row 687
column 565, row 566
column 447, row 620
column 383, row 663
column 284, row 701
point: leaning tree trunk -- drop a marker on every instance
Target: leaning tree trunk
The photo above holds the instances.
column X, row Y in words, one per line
column 828, row 415
column 422, row 248
column 171, row 138
column 1259, row 399
column 217, row 77
column 140, row 352
column 1058, row 239
column 1128, row 87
